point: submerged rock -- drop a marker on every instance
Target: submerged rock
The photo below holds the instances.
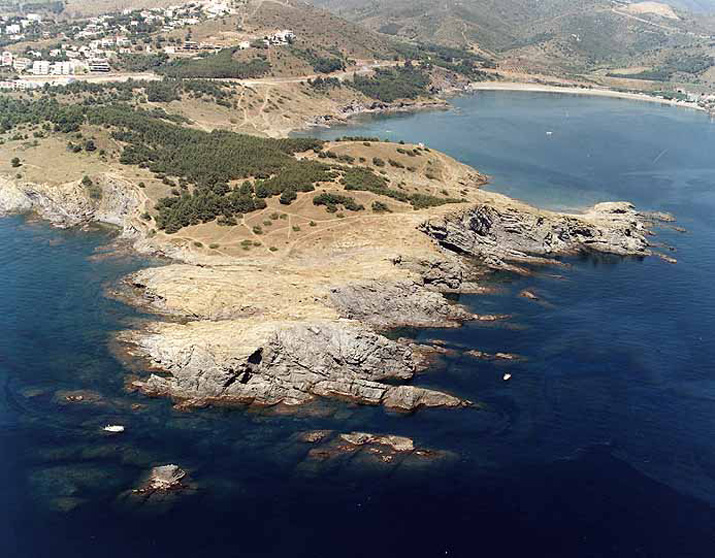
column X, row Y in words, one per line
column 163, row 479
column 314, row 436
column 364, row 451
column 494, row 356
column 397, row 443
column 529, row 295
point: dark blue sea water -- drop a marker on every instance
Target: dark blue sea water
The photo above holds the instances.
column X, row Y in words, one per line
column 601, row 445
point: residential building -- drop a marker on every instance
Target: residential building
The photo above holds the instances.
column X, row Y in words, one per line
column 101, row 66
column 41, row 67
column 21, row 64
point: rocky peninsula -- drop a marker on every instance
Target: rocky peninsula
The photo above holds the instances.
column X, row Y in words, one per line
column 266, row 329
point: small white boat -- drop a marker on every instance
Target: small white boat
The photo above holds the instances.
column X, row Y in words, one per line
column 549, row 133
column 114, row 428
column 506, row 377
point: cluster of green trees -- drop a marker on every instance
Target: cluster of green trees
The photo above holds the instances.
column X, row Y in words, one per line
column 199, row 88
column 332, row 201
column 365, row 180
column 62, row 118
column 693, row 64
column 321, row 64
column 166, row 90
column 210, row 161
column 325, row 84
column 163, row 91
column 204, row 206
column 170, row 89
column 219, row 65
column 390, row 84
column 457, row 60
column 138, row 62
column 204, row 158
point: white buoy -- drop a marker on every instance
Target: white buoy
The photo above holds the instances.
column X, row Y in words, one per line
column 114, row 428
column 506, row 377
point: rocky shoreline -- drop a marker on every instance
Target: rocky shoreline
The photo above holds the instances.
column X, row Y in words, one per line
column 287, row 332
column 357, row 108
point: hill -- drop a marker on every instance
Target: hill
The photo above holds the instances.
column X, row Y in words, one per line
column 552, row 36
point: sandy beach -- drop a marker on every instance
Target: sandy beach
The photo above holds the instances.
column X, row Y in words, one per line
column 539, row 88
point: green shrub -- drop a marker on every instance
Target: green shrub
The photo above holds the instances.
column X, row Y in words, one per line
column 331, row 201
column 379, row 207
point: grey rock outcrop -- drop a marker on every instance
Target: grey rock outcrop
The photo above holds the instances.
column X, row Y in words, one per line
column 443, row 273
column 389, row 304
column 499, row 233
column 289, row 363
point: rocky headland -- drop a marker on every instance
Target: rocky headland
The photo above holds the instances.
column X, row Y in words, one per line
column 267, row 330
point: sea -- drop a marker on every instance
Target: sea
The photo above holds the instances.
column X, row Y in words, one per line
column 602, row 443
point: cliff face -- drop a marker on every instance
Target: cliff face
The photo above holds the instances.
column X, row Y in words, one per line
column 113, row 201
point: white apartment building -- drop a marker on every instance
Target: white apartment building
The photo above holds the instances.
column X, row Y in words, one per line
column 41, row 67
column 21, row 64
column 101, row 66
column 61, row 69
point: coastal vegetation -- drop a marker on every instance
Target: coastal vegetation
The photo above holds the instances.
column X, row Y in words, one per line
column 320, row 63
column 694, row 65
column 223, row 64
column 219, row 175
column 364, row 179
column 390, row 84
column 332, row 201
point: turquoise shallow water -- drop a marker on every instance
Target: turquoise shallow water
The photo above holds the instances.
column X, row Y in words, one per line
column 601, row 445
